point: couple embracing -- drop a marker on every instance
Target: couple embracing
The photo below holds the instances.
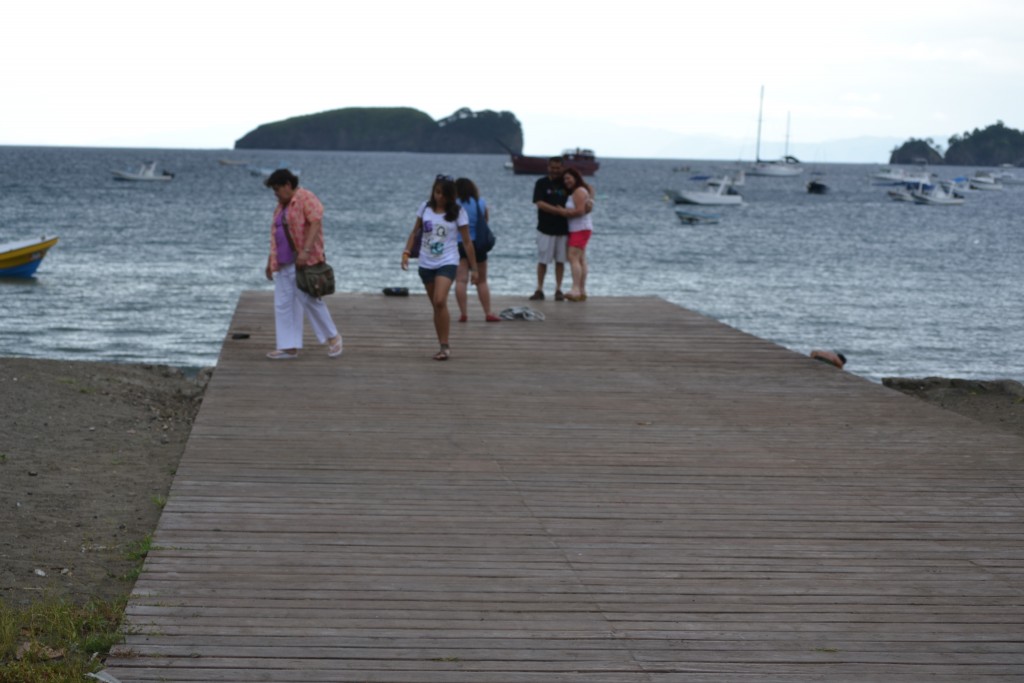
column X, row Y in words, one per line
column 564, row 201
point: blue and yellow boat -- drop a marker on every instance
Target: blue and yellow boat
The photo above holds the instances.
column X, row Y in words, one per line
column 20, row 259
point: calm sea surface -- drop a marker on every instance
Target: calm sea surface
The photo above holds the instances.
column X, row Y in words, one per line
column 152, row 272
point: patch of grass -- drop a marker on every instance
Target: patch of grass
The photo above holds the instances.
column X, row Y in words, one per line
column 55, row 641
column 159, row 500
column 137, row 551
column 3, row 458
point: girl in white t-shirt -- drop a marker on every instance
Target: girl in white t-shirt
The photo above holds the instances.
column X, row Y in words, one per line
column 439, row 220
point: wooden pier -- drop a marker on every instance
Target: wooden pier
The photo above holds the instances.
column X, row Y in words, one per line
column 625, row 492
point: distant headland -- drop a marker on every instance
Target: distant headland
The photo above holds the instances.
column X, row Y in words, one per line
column 391, row 129
column 994, row 146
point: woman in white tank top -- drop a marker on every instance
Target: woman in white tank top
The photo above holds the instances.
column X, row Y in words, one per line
column 580, row 229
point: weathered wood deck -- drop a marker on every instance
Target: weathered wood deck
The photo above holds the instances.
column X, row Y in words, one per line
column 626, row 492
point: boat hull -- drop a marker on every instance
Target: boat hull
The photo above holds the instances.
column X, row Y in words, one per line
column 709, row 199
column 135, row 177
column 775, row 170
column 695, row 218
column 21, row 259
column 936, row 199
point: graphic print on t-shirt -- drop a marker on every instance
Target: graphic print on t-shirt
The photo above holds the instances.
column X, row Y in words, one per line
column 435, row 236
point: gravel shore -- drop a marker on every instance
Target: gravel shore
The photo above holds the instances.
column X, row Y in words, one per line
column 88, row 452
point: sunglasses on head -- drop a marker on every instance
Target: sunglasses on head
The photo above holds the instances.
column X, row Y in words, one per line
column 444, row 178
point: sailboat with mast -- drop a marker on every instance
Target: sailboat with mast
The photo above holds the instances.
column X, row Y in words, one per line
column 786, row 167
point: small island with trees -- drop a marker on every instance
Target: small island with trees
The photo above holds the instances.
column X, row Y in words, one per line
column 996, row 145
column 391, row 129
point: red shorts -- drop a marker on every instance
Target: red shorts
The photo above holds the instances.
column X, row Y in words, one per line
column 579, row 238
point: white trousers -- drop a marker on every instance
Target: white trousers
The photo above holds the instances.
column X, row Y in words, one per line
column 290, row 303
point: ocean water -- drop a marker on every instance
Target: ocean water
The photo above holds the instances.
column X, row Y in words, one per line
column 152, row 272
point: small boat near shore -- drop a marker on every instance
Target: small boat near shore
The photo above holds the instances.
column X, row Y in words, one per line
column 22, row 258
column 146, row 173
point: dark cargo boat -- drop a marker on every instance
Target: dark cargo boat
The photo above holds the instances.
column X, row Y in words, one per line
column 583, row 160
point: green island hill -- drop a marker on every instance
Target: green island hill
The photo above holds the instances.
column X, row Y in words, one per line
column 996, row 145
column 391, row 129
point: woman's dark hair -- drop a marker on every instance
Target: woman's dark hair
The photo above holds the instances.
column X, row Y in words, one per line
column 578, row 177
column 465, row 189
column 451, row 207
column 282, row 177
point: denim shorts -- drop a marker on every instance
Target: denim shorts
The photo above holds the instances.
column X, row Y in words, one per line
column 428, row 274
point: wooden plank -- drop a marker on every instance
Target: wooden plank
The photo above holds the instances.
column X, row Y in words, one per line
column 627, row 491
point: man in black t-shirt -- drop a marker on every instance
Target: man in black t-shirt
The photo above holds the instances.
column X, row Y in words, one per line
column 552, row 229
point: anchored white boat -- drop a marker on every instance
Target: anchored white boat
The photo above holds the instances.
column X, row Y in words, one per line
column 895, row 176
column 146, row 173
column 984, row 181
column 1009, row 178
column 719, row 194
column 738, row 179
column 786, row 167
column 905, row 193
column 936, row 195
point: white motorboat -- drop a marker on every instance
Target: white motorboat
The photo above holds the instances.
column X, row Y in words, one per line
column 1009, row 178
column 901, row 194
column 265, row 172
column 739, row 179
column 146, row 173
column 984, row 181
column 936, row 195
column 720, row 194
column 906, row 192
column 786, row 167
column 958, row 186
column 896, row 176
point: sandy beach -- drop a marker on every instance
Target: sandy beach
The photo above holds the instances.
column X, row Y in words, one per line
column 88, row 452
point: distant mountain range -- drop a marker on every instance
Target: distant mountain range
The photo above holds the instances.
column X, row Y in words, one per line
column 385, row 129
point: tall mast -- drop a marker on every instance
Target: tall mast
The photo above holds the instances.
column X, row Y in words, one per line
column 760, row 110
column 786, row 153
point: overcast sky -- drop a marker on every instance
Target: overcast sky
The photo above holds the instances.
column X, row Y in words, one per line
column 629, row 79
